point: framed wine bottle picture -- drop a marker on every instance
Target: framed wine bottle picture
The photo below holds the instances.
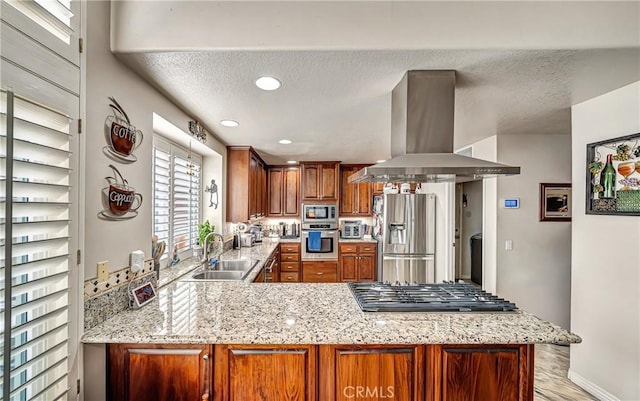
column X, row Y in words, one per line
column 613, row 176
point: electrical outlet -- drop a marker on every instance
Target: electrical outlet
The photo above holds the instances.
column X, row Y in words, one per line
column 103, row 271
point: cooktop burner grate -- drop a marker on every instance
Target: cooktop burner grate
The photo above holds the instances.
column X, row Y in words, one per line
column 445, row 297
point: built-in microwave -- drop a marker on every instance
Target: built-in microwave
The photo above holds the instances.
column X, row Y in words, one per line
column 320, row 213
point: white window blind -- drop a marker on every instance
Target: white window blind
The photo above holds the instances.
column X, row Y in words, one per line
column 53, row 15
column 176, row 196
column 36, row 206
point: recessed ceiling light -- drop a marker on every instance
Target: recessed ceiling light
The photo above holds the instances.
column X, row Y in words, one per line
column 292, row 162
column 229, row 123
column 380, row 161
column 284, row 141
column 268, row 83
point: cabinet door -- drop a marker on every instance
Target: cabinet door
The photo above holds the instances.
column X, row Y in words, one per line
column 363, row 205
column 159, row 372
column 265, row 373
column 371, row 372
column 367, row 267
column 349, row 267
column 291, row 196
column 347, row 193
column 275, row 184
column 310, row 181
column 499, row 372
column 329, row 182
column 262, row 210
column 253, row 185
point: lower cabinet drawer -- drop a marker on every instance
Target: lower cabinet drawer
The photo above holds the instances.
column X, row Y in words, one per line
column 320, row 272
column 290, row 257
column 289, row 266
column 289, row 277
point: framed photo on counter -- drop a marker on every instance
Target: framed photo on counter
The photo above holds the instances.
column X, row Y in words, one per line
column 555, row 202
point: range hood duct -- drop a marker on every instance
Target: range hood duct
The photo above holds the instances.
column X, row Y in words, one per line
column 422, row 107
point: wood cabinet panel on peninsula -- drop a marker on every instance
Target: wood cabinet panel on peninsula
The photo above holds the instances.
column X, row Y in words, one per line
column 294, row 372
column 394, row 372
column 265, row 373
column 319, row 181
column 246, row 184
column 173, row 372
column 283, row 192
column 480, row 372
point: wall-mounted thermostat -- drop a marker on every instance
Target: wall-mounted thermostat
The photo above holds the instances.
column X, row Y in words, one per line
column 511, row 203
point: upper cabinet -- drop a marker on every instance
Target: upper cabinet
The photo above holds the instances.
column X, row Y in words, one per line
column 355, row 199
column 319, row 181
column 284, row 192
column 246, row 184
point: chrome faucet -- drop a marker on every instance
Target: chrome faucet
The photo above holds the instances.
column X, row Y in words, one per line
column 206, row 259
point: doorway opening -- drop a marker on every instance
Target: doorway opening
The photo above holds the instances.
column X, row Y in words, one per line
column 468, row 232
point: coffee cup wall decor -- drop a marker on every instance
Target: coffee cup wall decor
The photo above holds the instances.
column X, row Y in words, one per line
column 120, row 201
column 122, row 137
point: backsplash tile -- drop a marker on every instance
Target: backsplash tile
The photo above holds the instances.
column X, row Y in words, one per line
column 94, row 288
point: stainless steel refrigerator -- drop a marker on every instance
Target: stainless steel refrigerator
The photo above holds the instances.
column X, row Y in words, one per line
column 407, row 237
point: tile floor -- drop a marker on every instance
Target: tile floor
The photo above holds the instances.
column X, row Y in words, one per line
column 551, row 383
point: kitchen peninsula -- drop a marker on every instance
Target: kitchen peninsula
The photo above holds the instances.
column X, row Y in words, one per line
column 239, row 341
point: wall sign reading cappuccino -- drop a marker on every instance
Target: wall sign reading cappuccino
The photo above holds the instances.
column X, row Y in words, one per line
column 120, row 201
column 122, row 137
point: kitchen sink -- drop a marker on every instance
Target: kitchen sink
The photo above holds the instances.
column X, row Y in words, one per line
column 241, row 264
column 226, row 270
column 220, row 275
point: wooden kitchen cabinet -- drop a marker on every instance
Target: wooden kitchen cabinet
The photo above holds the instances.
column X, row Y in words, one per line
column 319, row 181
column 246, row 184
column 270, row 272
column 283, row 192
column 159, row 372
column 355, row 199
column 358, row 261
column 265, row 373
column 290, row 262
column 371, row 372
column 480, row 372
column 322, row 271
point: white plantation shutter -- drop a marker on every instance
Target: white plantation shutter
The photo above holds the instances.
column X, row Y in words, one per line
column 37, row 199
column 161, row 195
column 176, row 196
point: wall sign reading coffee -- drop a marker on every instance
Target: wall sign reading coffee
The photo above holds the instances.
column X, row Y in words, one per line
column 120, row 201
column 122, row 137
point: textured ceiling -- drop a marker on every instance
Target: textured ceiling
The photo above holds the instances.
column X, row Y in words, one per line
column 336, row 105
column 520, row 65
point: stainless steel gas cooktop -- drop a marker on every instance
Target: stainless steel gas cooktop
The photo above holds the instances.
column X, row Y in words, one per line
column 445, row 297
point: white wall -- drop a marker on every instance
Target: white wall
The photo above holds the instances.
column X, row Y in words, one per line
column 106, row 76
column 487, row 149
column 605, row 252
column 536, row 274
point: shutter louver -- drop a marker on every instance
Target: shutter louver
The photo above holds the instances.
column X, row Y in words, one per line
column 161, row 196
column 40, row 198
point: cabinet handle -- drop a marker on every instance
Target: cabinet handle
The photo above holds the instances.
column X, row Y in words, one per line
column 319, row 273
column 289, row 278
column 205, row 395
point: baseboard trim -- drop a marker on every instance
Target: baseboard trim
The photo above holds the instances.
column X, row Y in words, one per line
column 590, row 387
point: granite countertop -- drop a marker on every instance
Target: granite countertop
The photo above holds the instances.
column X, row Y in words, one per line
column 304, row 313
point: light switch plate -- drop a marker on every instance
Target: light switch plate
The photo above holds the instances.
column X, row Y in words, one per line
column 508, row 245
column 103, row 271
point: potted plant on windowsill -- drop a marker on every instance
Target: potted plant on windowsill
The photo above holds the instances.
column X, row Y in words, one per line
column 203, row 230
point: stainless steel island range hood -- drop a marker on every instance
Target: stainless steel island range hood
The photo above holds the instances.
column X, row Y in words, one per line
column 422, row 107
